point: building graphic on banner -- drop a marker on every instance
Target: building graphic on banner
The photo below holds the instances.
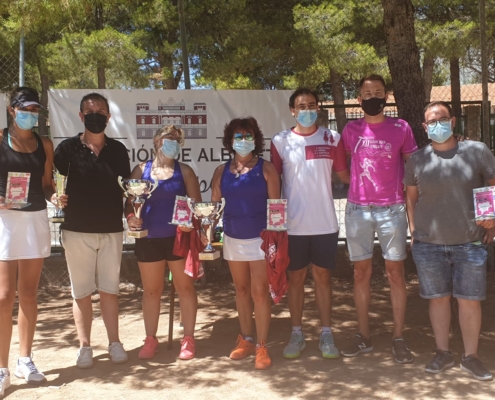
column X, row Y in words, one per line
column 193, row 122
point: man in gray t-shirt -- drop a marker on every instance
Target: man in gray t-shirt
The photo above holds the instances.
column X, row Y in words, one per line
column 448, row 245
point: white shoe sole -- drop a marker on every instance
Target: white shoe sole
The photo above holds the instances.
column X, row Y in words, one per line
column 480, row 378
column 361, row 351
column 32, row 381
column 437, row 371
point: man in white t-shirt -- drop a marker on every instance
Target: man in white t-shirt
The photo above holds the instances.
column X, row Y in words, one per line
column 305, row 156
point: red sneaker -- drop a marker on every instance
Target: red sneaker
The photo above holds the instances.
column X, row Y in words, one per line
column 242, row 349
column 149, row 349
column 187, row 348
column 263, row 360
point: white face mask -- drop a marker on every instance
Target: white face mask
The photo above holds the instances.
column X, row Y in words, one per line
column 307, row 117
column 170, row 148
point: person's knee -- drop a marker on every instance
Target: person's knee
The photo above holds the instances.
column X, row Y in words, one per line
column 322, row 278
column 396, row 276
column 471, row 305
column 440, row 301
column 28, row 294
column 152, row 293
column 362, row 275
column 243, row 291
column 260, row 294
column 185, row 289
column 297, row 278
column 7, row 298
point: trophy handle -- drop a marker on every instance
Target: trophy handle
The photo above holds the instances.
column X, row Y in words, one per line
column 222, row 206
column 121, row 183
column 153, row 187
column 190, row 204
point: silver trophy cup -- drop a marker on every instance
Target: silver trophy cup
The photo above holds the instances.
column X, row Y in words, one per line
column 137, row 188
column 206, row 212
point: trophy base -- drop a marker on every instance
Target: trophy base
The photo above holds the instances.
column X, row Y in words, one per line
column 209, row 256
column 18, row 206
column 138, row 234
column 57, row 220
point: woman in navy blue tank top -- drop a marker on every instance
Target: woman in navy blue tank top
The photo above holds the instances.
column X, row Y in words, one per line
column 247, row 182
column 155, row 251
column 25, row 233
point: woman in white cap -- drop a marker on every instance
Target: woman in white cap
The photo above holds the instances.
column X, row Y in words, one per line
column 24, row 231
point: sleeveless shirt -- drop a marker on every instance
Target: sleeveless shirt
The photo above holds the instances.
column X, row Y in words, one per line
column 34, row 163
column 244, row 216
column 158, row 208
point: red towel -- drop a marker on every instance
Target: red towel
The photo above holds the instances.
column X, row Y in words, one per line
column 188, row 245
column 276, row 248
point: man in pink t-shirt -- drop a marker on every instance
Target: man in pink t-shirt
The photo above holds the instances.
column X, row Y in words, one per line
column 378, row 146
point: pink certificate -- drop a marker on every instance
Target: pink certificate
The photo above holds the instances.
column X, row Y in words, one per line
column 276, row 215
column 182, row 213
column 17, row 188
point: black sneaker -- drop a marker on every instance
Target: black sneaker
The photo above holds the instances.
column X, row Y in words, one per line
column 474, row 366
column 401, row 352
column 443, row 359
column 359, row 345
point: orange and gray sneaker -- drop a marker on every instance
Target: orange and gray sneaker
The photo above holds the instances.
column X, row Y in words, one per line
column 149, row 349
column 263, row 360
column 242, row 349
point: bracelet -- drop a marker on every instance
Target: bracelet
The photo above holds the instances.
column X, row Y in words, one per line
column 129, row 216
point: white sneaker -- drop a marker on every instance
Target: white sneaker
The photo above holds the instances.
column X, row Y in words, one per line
column 117, row 353
column 4, row 380
column 27, row 370
column 85, row 357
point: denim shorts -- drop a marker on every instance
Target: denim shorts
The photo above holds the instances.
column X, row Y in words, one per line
column 458, row 270
column 389, row 223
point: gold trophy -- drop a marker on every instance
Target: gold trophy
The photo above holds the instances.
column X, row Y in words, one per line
column 206, row 212
column 137, row 188
column 60, row 185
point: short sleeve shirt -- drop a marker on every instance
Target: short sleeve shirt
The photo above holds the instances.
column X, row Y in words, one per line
column 95, row 198
column 306, row 163
column 444, row 213
column 377, row 165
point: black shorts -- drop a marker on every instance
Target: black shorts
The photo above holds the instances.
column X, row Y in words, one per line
column 155, row 249
column 319, row 250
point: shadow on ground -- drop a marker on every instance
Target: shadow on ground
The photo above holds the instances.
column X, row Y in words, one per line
column 212, row 375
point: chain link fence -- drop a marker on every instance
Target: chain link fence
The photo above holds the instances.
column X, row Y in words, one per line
column 9, row 72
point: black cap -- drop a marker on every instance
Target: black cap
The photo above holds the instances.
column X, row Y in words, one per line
column 25, row 97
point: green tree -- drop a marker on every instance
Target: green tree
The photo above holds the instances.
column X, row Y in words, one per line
column 445, row 29
column 338, row 51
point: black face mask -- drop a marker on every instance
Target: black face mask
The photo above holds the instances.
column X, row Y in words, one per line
column 95, row 122
column 373, row 106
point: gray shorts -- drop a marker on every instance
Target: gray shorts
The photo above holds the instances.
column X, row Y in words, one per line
column 389, row 223
column 458, row 270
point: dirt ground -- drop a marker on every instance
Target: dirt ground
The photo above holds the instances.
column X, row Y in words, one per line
column 212, row 375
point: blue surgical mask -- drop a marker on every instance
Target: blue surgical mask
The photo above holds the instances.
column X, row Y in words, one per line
column 26, row 120
column 307, row 117
column 170, row 148
column 440, row 133
column 243, row 147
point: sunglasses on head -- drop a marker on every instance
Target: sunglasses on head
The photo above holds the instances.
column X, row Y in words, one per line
column 238, row 136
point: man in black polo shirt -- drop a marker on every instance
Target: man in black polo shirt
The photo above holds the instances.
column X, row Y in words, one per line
column 92, row 231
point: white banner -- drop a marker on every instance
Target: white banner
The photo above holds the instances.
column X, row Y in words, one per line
column 202, row 114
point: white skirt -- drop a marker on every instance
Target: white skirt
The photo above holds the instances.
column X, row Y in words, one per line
column 242, row 249
column 24, row 235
